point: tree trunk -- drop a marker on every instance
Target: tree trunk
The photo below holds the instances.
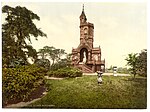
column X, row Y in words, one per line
column 134, row 76
column 53, row 62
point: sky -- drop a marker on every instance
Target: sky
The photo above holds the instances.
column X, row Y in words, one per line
column 119, row 28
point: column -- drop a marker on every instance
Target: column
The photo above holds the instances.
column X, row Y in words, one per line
column 89, row 56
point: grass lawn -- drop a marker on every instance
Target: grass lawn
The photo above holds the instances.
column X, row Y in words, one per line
column 84, row 92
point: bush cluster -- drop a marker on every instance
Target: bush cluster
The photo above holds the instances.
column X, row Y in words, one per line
column 45, row 63
column 18, row 83
column 66, row 72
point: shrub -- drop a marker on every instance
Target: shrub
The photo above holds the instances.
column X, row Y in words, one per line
column 66, row 72
column 18, row 83
column 45, row 63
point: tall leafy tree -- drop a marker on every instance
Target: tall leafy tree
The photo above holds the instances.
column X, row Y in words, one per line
column 132, row 62
column 142, row 63
column 31, row 52
column 65, row 62
column 59, row 53
column 17, row 29
column 138, row 63
column 42, row 53
column 46, row 52
column 53, row 53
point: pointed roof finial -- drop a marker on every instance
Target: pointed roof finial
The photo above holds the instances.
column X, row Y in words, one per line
column 83, row 8
column 83, row 14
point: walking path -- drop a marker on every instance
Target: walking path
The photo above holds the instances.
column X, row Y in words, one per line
column 47, row 77
column 118, row 74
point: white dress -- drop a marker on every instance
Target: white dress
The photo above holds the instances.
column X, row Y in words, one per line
column 99, row 79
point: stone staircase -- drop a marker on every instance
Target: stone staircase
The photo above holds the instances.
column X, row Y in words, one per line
column 85, row 68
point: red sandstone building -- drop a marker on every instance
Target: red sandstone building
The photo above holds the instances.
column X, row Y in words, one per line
column 85, row 56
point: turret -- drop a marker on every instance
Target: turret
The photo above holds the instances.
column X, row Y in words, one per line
column 82, row 17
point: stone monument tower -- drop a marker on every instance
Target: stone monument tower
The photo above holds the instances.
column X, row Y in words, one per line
column 85, row 56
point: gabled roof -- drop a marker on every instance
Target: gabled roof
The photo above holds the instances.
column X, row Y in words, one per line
column 83, row 45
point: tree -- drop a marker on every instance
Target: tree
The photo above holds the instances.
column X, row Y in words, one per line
column 138, row 63
column 55, row 54
column 42, row 53
column 66, row 62
column 59, row 53
column 142, row 63
column 16, row 31
column 47, row 51
column 31, row 52
column 132, row 62
column 45, row 63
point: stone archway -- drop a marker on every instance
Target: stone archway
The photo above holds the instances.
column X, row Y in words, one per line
column 83, row 52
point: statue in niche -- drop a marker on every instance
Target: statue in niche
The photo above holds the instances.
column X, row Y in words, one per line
column 96, row 57
column 84, row 57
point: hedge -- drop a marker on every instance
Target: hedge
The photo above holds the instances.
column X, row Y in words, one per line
column 66, row 72
column 18, row 83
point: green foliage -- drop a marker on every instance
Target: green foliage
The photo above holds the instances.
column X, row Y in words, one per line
column 66, row 72
column 142, row 63
column 44, row 52
column 138, row 63
column 110, row 69
column 61, row 64
column 132, row 62
column 31, row 52
column 17, row 62
column 45, row 63
column 123, row 70
column 16, row 30
column 18, row 83
column 84, row 92
column 51, row 52
column 55, row 55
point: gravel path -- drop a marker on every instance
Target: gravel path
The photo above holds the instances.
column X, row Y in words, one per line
column 55, row 78
column 118, row 74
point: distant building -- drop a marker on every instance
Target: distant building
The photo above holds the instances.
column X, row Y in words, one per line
column 85, row 56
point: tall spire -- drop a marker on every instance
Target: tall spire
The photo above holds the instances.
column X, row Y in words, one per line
column 83, row 8
column 83, row 14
